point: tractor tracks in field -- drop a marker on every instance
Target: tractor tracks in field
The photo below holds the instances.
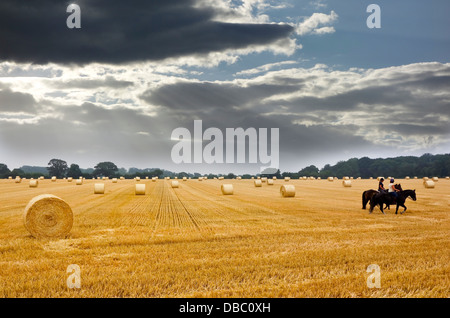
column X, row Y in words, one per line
column 171, row 213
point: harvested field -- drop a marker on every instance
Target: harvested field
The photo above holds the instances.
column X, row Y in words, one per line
column 193, row 241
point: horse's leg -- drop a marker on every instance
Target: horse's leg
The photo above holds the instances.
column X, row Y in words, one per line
column 404, row 209
column 396, row 210
column 381, row 208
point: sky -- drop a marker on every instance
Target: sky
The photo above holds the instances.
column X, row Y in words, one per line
column 116, row 88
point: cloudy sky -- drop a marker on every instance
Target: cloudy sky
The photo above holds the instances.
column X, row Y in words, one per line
column 115, row 89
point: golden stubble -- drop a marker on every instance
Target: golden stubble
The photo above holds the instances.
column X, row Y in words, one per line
column 193, row 241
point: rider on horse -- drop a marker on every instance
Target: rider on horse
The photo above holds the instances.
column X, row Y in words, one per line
column 393, row 190
column 381, row 186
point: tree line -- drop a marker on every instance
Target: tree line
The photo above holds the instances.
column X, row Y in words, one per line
column 427, row 165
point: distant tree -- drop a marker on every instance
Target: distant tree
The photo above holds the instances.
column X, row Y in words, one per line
column 57, row 168
column 182, row 175
column 17, row 172
column 311, row 171
column 122, row 171
column 4, row 171
column 230, row 176
column 278, row 174
column 105, row 169
column 156, row 173
column 74, row 171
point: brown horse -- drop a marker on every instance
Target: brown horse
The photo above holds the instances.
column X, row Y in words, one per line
column 367, row 195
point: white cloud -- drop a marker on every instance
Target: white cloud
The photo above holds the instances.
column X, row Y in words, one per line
column 315, row 24
column 264, row 68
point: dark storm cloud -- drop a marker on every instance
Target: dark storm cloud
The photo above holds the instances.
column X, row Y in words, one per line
column 108, row 81
column 349, row 100
column 16, row 102
column 206, row 96
column 438, row 128
column 121, row 31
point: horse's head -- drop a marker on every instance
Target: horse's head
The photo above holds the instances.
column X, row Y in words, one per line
column 398, row 186
column 413, row 195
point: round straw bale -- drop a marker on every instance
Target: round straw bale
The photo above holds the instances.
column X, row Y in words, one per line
column 99, row 188
column 428, row 184
column 69, row 179
column 447, row 178
column 122, row 178
column 9, row 178
column 48, row 216
column 287, row 179
column 435, row 179
column 154, row 179
column 331, row 179
column 287, row 190
column 274, row 178
column 79, row 182
column 239, row 178
column 425, row 178
column 264, row 179
column 227, row 189
column 34, row 183
column 114, row 180
column 53, row 179
column 175, row 184
column 346, row 178
column 270, row 182
column 258, row 183
column 18, row 180
column 200, row 179
column 347, row 183
column 137, row 178
column 184, row 179
column 415, row 178
column 140, row 189
column 41, row 178
column 407, row 178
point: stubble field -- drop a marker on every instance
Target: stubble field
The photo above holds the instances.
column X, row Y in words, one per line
column 195, row 242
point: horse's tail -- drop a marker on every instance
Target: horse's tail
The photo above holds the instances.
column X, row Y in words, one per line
column 372, row 203
column 364, row 200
